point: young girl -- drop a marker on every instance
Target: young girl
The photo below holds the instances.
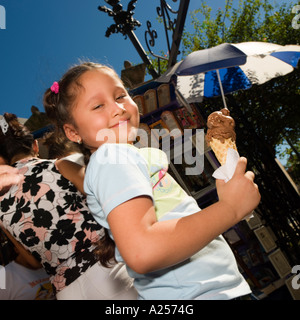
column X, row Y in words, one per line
column 172, row 249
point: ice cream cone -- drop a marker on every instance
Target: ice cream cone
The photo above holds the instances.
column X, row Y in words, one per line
column 220, row 148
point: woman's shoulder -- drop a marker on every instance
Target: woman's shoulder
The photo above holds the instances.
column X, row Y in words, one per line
column 33, row 161
column 34, row 164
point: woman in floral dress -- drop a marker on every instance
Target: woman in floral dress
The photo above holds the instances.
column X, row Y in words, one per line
column 49, row 216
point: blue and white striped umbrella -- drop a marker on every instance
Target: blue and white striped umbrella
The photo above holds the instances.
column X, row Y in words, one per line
column 230, row 67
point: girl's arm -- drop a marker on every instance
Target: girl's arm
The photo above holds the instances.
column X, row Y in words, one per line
column 72, row 171
column 148, row 245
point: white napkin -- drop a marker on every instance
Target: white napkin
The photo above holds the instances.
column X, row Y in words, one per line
column 226, row 171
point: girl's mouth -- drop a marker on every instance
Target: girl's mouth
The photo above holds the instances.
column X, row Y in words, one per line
column 120, row 123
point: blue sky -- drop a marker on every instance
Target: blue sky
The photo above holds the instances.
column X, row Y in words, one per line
column 44, row 38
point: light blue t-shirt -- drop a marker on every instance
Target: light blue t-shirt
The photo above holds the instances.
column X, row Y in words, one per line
column 119, row 172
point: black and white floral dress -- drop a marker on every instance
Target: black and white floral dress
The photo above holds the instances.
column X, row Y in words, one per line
column 51, row 219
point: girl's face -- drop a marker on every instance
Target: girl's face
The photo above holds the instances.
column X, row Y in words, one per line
column 103, row 111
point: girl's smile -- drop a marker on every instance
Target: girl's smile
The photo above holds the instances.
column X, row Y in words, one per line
column 120, row 123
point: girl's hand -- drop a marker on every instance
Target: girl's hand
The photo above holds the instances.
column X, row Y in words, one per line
column 240, row 193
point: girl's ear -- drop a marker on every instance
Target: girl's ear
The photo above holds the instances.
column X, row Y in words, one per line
column 71, row 132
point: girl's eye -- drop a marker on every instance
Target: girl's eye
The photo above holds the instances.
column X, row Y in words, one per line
column 98, row 106
column 121, row 97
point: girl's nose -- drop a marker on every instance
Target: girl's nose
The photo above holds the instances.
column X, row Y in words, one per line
column 117, row 109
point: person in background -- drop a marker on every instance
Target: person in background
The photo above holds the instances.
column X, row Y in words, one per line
column 25, row 278
column 60, row 147
column 50, row 218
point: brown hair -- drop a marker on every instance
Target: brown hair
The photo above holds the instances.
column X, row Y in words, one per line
column 59, row 145
column 58, row 107
column 16, row 140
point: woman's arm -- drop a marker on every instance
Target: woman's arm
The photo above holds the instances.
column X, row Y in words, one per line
column 148, row 245
column 27, row 257
column 72, row 171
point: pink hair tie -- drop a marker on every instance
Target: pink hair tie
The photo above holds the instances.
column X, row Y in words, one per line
column 55, row 87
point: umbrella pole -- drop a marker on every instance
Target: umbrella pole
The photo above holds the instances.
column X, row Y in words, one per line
column 221, row 88
column 182, row 99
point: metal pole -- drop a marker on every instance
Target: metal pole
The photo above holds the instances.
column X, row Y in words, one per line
column 142, row 53
column 221, row 88
column 183, row 8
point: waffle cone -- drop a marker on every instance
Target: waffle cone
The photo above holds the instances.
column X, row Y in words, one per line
column 220, row 148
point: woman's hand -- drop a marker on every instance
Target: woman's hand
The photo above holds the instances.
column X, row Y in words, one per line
column 9, row 176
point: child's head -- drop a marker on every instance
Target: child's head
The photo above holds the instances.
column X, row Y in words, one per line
column 15, row 139
column 59, row 146
column 92, row 106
